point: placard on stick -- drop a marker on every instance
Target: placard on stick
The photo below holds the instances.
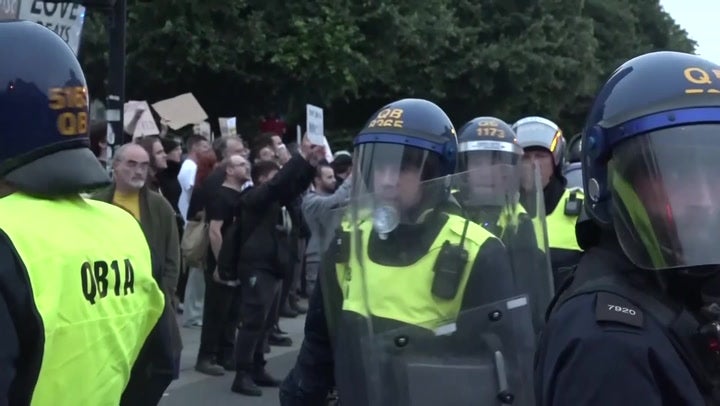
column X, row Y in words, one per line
column 315, row 125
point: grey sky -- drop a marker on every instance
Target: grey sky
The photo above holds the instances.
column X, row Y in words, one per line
column 699, row 19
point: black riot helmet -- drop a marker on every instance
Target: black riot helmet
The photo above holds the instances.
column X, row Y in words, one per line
column 490, row 156
column 409, row 140
column 650, row 160
column 44, row 114
column 407, row 132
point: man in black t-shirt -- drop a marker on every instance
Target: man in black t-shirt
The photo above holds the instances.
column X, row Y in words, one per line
column 219, row 320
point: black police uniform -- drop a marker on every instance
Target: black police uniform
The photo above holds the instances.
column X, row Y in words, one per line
column 608, row 343
column 313, row 375
column 39, row 157
column 638, row 323
column 490, row 277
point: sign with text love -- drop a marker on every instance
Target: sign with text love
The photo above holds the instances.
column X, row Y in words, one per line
column 66, row 19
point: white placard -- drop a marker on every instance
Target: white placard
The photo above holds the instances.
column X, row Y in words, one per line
column 110, row 136
column 315, row 125
column 66, row 19
column 146, row 124
column 228, row 126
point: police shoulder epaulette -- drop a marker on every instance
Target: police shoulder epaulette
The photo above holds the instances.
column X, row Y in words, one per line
column 613, row 308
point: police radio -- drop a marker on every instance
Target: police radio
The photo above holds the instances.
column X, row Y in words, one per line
column 573, row 205
column 450, row 267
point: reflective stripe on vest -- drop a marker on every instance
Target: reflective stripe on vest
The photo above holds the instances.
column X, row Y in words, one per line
column 89, row 269
column 404, row 293
column 561, row 227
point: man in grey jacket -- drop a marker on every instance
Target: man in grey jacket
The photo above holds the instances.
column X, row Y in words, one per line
column 317, row 206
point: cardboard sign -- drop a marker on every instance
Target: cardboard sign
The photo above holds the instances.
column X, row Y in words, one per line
column 146, row 124
column 66, row 19
column 180, row 111
column 228, row 126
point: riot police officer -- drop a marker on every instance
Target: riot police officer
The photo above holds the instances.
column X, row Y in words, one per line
column 490, row 159
column 544, row 144
column 405, row 277
column 78, row 300
column 639, row 323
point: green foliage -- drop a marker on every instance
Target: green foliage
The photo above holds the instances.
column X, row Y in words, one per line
column 507, row 58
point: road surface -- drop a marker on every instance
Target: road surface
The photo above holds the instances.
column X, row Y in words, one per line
column 194, row 388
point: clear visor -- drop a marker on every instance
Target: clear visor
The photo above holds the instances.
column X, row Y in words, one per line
column 666, row 197
column 491, row 178
column 391, row 177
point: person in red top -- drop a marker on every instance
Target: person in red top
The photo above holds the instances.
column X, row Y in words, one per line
column 273, row 124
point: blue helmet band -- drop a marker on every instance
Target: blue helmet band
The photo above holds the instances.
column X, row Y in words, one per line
column 654, row 122
column 401, row 140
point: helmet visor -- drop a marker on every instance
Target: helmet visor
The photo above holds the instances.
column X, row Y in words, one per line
column 394, row 175
column 666, row 197
column 491, row 178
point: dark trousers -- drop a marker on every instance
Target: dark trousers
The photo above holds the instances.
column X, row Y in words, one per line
column 182, row 282
column 147, row 393
column 291, row 283
column 260, row 300
column 287, row 285
column 312, row 377
column 220, row 320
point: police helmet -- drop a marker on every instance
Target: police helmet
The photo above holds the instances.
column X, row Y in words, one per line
column 650, row 160
column 574, row 148
column 409, row 131
column 538, row 132
column 488, row 154
column 44, row 114
column 408, row 134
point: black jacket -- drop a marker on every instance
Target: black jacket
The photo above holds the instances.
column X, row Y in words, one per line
column 260, row 207
column 618, row 342
column 169, row 185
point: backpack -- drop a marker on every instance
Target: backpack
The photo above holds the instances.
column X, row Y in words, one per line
column 195, row 241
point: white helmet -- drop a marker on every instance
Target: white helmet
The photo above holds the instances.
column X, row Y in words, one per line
column 540, row 132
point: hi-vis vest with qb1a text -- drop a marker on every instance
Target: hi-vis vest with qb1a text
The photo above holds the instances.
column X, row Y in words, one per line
column 404, row 294
column 89, row 269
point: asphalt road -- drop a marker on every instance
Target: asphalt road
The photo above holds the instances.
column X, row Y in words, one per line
column 194, row 388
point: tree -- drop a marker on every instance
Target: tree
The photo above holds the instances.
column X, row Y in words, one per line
column 508, row 58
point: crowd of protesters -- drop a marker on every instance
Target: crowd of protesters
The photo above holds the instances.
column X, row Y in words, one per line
column 190, row 194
